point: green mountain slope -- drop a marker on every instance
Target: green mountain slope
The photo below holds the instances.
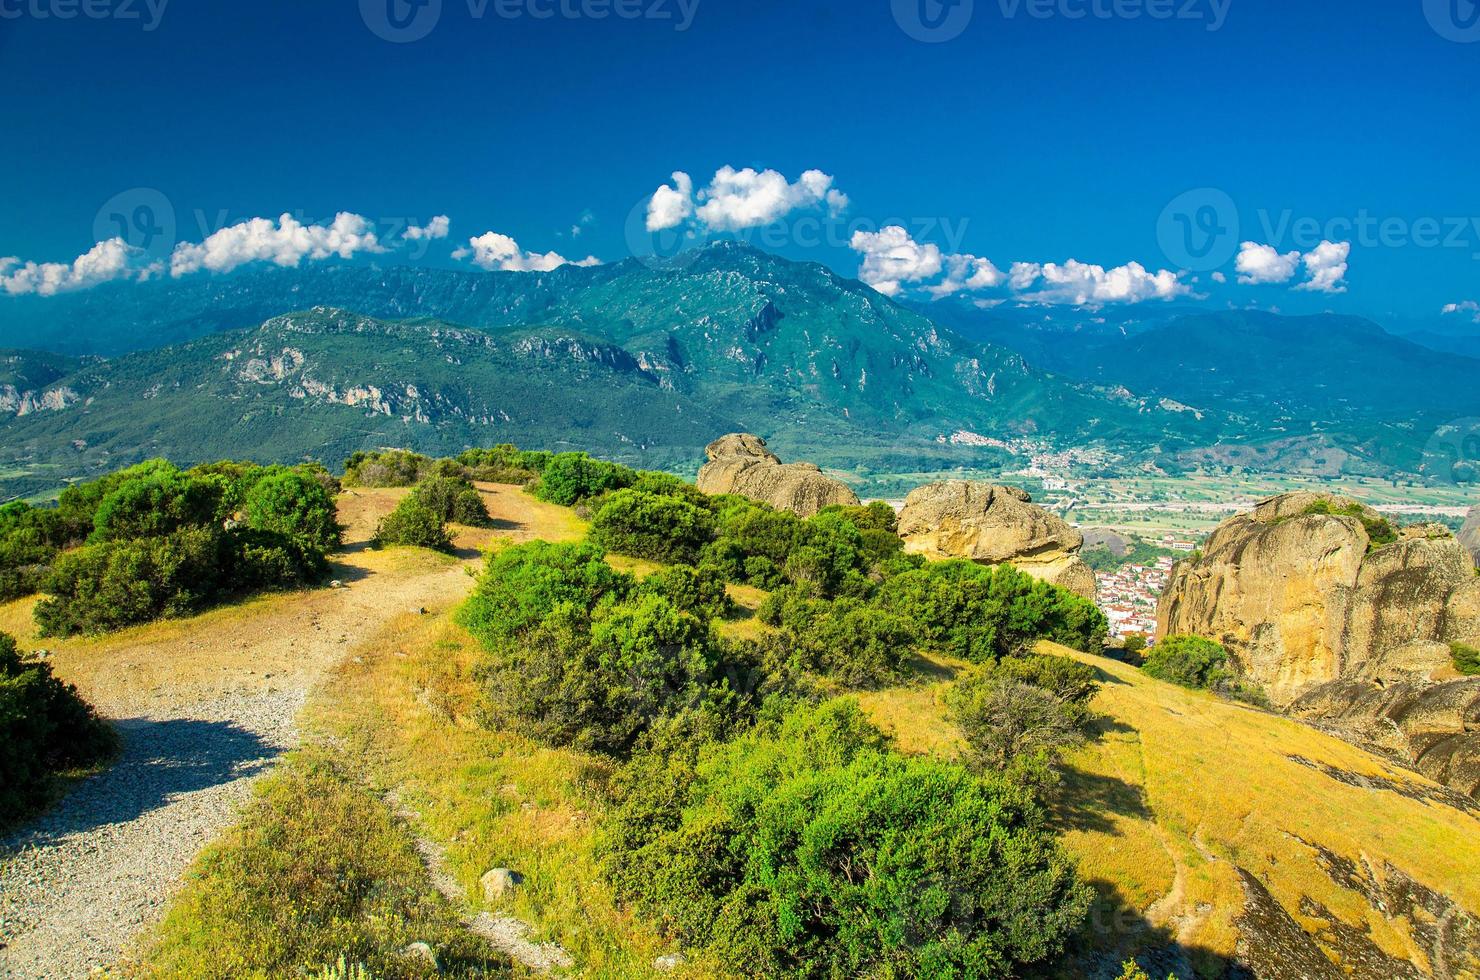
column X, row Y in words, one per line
column 730, row 338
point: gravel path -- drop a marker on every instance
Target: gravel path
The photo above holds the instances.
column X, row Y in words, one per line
column 78, row 885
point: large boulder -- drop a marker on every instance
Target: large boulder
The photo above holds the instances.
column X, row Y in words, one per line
column 1469, row 535
column 741, row 464
column 1338, row 629
column 994, row 525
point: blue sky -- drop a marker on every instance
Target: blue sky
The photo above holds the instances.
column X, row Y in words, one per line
column 1041, row 131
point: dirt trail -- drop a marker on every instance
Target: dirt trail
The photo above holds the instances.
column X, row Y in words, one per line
column 205, row 706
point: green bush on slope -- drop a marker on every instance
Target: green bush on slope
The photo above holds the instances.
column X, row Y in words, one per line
column 45, row 729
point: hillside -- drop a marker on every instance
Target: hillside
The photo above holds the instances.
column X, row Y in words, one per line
column 641, row 358
column 1218, row 833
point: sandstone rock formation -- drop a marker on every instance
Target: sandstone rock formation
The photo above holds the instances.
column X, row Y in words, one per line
column 1469, row 535
column 1337, row 630
column 992, row 525
column 741, row 464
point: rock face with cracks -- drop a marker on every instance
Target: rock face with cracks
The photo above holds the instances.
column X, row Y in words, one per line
column 994, row 525
column 1340, row 630
column 741, row 464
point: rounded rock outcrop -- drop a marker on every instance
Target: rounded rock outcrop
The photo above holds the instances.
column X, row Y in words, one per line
column 994, row 525
column 1339, row 628
column 741, row 464
column 1469, row 535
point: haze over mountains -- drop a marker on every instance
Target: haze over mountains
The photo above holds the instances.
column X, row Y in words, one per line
column 647, row 361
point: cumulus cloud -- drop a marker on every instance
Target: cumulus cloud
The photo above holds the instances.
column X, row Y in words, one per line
column 1325, row 266
column 104, row 262
column 493, row 251
column 736, row 200
column 431, row 231
column 893, row 260
column 891, row 257
column 285, row 242
column 1078, row 283
column 1259, row 265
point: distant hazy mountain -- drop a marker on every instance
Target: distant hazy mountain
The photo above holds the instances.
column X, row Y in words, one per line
column 1296, row 386
column 642, row 363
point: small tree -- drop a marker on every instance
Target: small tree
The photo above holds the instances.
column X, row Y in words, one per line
column 293, row 504
column 1466, row 659
column 645, row 525
column 1190, row 661
column 453, row 499
column 1013, row 727
column 414, row 524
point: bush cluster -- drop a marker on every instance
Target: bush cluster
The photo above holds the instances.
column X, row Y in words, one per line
column 1190, row 661
column 386, row 468
column 160, row 541
column 806, row 848
column 1380, row 530
column 1466, row 659
column 454, row 500
column 1020, row 714
column 580, row 654
column 413, row 525
column 648, row 525
column 504, row 464
column 45, row 729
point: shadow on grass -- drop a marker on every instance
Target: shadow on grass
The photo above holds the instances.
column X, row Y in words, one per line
column 159, row 761
column 1115, row 932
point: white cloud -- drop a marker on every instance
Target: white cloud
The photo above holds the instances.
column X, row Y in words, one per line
column 493, row 251
column 1259, row 265
column 432, row 230
column 969, row 273
column 1469, row 306
column 1326, row 266
column 736, row 200
column 671, row 206
column 1219, row 278
column 891, row 257
column 1078, row 283
column 104, row 262
column 286, row 242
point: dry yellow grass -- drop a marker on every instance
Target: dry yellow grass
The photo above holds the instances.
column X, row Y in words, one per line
column 1181, row 788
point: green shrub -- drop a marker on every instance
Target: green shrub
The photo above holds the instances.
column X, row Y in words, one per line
column 572, row 477
column 106, row 586
column 1466, row 659
column 980, row 613
column 698, row 591
column 386, row 468
column 668, row 485
column 521, row 586
column 265, row 560
column 45, row 729
column 504, row 464
column 414, row 525
column 645, row 525
column 1020, row 715
column 596, row 680
column 454, row 500
column 294, row 504
column 156, row 505
column 30, row 538
column 1190, row 661
column 853, row 644
column 807, row 849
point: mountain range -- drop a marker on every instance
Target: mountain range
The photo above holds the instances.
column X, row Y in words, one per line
column 646, row 361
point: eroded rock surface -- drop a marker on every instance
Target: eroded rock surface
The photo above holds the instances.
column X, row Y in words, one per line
column 1337, row 629
column 1469, row 535
column 741, row 464
column 994, row 525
